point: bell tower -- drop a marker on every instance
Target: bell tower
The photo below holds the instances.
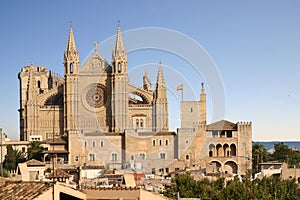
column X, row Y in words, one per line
column 71, row 99
column 120, row 119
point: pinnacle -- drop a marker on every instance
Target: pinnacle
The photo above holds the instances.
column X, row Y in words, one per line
column 160, row 75
column 119, row 46
column 71, row 41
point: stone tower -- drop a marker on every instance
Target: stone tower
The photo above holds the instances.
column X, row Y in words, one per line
column 71, row 68
column 202, row 105
column 119, row 86
column 160, row 104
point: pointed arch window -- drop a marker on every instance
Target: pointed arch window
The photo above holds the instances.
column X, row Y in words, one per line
column 71, row 68
column 119, row 67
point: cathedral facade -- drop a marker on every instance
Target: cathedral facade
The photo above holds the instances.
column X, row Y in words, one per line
column 93, row 115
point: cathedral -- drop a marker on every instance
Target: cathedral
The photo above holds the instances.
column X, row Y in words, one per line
column 93, row 116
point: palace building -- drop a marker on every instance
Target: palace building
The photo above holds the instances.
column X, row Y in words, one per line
column 94, row 116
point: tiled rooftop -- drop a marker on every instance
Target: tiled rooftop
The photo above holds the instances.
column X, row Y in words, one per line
column 23, row 190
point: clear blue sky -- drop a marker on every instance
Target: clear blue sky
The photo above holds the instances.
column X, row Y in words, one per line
column 254, row 44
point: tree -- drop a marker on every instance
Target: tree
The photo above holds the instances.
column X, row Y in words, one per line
column 35, row 151
column 282, row 152
column 13, row 158
column 259, row 155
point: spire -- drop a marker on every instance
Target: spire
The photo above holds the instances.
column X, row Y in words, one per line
column 202, row 95
column 119, row 46
column 71, row 46
column 160, row 75
column 32, row 92
column 71, row 55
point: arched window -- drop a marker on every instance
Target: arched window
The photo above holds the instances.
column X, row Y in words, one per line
column 167, row 142
column 153, row 142
column 233, row 149
column 187, row 157
column 71, row 68
column 119, row 67
column 136, row 123
column 39, row 84
column 142, row 123
column 160, row 142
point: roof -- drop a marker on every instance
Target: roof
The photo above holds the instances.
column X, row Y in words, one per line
column 23, row 190
column 58, row 173
column 34, row 162
column 222, row 125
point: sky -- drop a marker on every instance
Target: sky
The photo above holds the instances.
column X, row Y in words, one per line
column 248, row 50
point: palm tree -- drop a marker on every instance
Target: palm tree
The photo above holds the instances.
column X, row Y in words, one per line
column 13, row 158
column 35, row 151
column 259, row 154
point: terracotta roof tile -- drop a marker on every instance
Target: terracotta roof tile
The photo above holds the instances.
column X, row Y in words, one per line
column 23, row 190
column 222, row 125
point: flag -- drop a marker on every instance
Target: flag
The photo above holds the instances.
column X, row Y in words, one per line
column 180, row 87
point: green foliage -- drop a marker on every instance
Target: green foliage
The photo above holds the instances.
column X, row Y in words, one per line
column 259, row 155
column 13, row 158
column 266, row 188
column 35, row 151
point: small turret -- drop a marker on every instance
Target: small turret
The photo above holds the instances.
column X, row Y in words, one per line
column 147, row 82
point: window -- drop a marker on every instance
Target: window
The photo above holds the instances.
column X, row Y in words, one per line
column 160, row 142
column 142, row 123
column 114, row 156
column 187, row 157
column 142, row 156
column 162, row 156
column 101, row 143
column 153, row 171
column 94, row 143
column 92, row 157
column 71, row 68
column 119, row 67
column 177, row 169
column 187, row 141
column 229, row 134
column 23, row 149
column 76, row 158
column 136, row 123
column 191, row 110
column 132, row 157
column 153, row 142
column 167, row 142
column 85, row 143
column 167, row 170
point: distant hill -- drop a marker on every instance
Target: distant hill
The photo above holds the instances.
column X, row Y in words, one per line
column 270, row 145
